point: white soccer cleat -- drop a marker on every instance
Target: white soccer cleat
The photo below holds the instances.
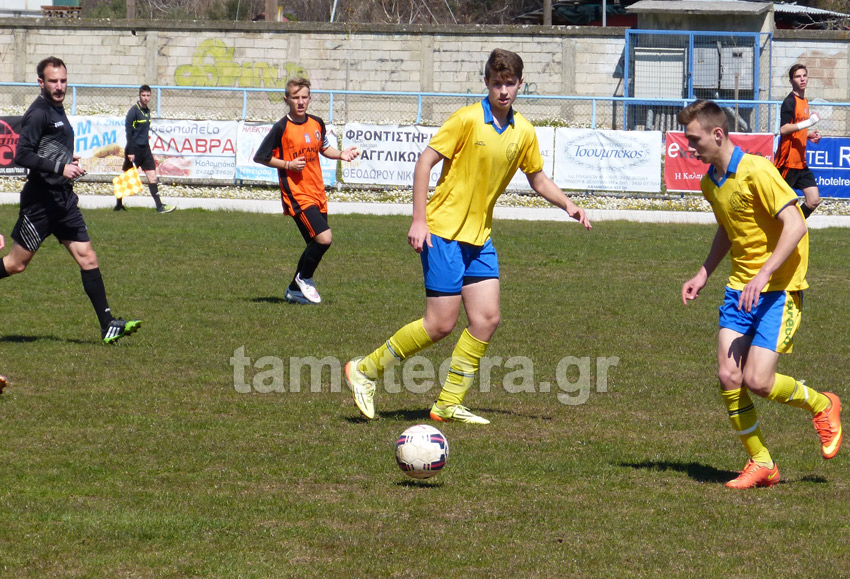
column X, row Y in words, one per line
column 308, row 288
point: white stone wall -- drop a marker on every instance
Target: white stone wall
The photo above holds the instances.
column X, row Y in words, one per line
column 561, row 61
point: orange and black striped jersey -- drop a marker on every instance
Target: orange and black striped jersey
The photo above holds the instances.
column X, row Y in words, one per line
column 288, row 140
column 792, row 148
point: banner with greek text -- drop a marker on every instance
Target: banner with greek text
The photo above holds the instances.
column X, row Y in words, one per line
column 195, row 149
column 829, row 160
column 99, row 141
column 388, row 153
column 595, row 160
column 683, row 172
column 10, row 129
column 248, row 140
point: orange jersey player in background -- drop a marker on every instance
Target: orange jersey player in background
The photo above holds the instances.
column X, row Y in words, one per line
column 794, row 134
column 292, row 147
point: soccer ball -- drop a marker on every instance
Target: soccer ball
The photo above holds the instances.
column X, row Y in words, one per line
column 421, row 451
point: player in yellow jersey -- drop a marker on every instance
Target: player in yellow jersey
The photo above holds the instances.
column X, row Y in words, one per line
column 763, row 230
column 481, row 146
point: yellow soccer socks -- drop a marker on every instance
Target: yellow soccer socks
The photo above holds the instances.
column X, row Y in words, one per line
column 792, row 392
column 406, row 342
column 742, row 415
column 466, row 359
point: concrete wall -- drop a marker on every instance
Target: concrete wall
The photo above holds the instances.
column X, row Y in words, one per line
column 576, row 61
column 379, row 58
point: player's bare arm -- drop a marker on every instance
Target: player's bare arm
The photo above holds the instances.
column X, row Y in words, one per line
column 720, row 246
column 546, row 188
column 419, row 235
column 347, row 155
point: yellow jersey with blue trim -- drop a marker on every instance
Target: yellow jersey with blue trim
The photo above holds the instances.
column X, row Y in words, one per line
column 479, row 162
column 747, row 203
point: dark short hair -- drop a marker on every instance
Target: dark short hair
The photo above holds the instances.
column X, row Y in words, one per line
column 503, row 63
column 144, row 88
column 298, row 82
column 49, row 61
column 793, row 70
column 708, row 113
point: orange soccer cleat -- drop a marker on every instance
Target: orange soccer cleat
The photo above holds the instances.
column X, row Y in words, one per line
column 828, row 426
column 755, row 475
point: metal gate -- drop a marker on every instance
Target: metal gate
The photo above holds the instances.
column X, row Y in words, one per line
column 664, row 66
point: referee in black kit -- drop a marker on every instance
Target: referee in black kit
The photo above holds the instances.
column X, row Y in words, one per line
column 48, row 202
column 137, row 125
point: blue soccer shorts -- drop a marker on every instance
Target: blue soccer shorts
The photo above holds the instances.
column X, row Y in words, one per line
column 449, row 265
column 772, row 323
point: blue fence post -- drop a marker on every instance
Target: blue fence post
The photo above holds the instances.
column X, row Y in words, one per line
column 593, row 113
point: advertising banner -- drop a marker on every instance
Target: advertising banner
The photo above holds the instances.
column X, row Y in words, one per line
column 10, row 128
column 248, row 140
column 682, row 171
column 829, row 160
column 99, row 141
column 388, row 153
column 195, row 149
column 608, row 160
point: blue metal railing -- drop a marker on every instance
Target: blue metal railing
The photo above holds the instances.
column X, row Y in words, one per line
column 525, row 103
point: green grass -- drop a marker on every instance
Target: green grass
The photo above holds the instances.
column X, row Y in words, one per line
column 143, row 460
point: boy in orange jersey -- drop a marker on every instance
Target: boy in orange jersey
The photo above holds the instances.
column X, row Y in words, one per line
column 292, row 147
column 794, row 121
column 763, row 231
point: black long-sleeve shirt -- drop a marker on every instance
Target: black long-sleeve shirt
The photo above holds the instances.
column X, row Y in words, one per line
column 45, row 146
column 137, row 125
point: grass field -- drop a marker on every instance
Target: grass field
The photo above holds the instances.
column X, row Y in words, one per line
column 150, row 459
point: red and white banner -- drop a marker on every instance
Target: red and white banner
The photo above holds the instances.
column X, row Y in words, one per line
column 195, row 149
column 683, row 172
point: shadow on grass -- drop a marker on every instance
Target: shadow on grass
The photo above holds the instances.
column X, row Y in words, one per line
column 698, row 472
column 424, row 416
column 420, row 484
column 269, row 300
column 419, row 416
column 18, row 339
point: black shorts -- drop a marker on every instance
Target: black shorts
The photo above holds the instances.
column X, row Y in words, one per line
column 311, row 222
column 36, row 222
column 798, row 178
column 143, row 159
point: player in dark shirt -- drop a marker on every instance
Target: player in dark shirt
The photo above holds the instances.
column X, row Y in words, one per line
column 795, row 120
column 137, row 126
column 48, row 202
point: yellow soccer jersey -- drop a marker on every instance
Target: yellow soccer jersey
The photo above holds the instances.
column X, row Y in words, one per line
column 746, row 203
column 479, row 163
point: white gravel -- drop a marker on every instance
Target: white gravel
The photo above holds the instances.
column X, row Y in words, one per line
column 692, row 202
